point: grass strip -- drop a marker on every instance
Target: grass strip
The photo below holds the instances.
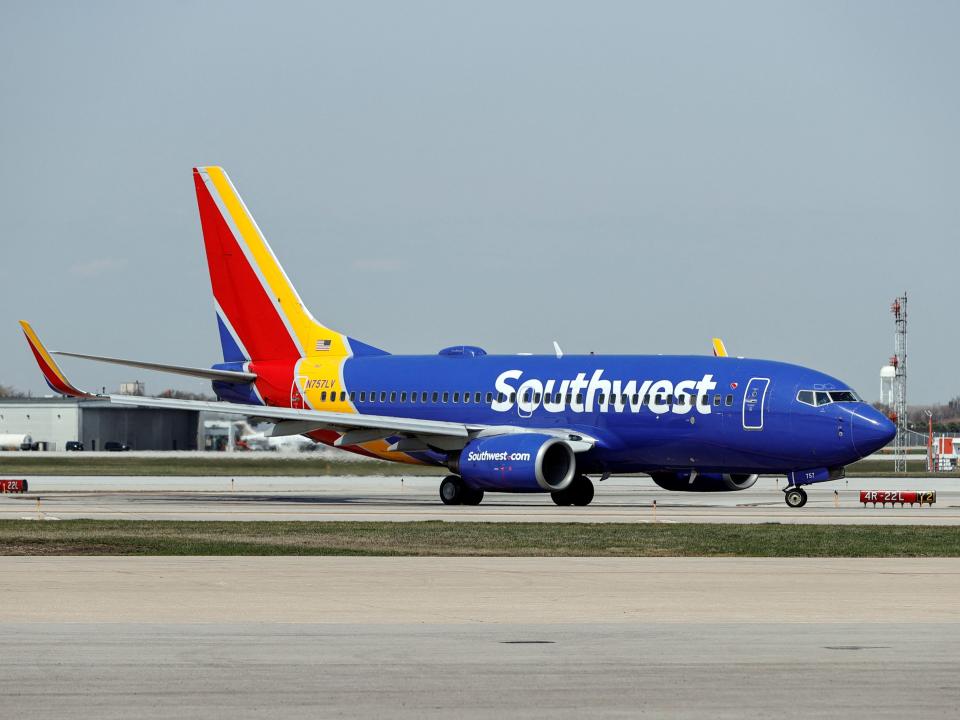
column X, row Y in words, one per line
column 127, row 537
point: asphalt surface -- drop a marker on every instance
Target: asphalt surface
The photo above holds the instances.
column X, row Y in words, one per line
column 117, row 637
column 405, row 499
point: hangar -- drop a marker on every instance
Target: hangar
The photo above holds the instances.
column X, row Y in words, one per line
column 53, row 422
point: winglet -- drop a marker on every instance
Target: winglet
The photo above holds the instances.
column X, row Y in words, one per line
column 51, row 371
column 719, row 349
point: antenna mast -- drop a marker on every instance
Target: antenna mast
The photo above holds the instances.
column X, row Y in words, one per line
column 899, row 362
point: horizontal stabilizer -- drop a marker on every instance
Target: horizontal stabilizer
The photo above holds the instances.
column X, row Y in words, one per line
column 205, row 373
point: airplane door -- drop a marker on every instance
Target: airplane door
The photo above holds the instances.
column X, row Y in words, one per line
column 753, row 401
column 296, row 392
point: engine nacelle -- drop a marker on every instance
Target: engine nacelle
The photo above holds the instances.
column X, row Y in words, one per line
column 704, row 482
column 521, row 462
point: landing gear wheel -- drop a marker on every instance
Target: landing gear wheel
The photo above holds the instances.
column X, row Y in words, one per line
column 471, row 496
column 583, row 491
column 453, row 491
column 579, row 492
column 795, row 497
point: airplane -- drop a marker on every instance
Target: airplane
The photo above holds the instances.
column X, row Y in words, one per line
column 501, row 423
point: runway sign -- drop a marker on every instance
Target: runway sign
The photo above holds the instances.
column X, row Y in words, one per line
column 904, row 497
column 13, row 486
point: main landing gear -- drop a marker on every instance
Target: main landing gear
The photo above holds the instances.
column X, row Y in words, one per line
column 579, row 492
column 454, row 491
column 795, row 497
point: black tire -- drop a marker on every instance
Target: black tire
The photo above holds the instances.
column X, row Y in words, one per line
column 795, row 497
column 452, row 490
column 562, row 498
column 582, row 491
column 471, row 496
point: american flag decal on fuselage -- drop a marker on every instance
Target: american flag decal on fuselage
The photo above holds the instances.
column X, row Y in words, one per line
column 323, row 345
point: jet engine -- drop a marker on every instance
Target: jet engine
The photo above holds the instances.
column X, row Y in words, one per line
column 520, row 462
column 704, row 482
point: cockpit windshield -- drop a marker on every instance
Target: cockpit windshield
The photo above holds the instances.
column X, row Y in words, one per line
column 816, row 398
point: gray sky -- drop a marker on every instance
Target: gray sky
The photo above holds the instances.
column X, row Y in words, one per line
column 624, row 178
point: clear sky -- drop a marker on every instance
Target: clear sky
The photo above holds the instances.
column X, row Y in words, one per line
column 621, row 177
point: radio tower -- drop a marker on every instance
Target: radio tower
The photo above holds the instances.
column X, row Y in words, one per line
column 899, row 362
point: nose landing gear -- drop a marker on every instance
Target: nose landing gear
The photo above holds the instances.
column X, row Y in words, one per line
column 795, row 497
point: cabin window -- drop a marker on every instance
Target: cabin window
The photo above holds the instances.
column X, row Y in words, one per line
column 423, row 397
column 476, row 397
column 635, row 399
column 580, row 398
column 446, row 397
column 704, row 400
column 456, row 397
column 536, row 398
column 716, row 400
column 729, row 400
column 569, row 398
column 403, row 397
column 500, row 397
column 681, row 399
column 323, row 396
column 383, row 396
column 601, row 398
column 413, row 397
column 343, row 396
column 489, row 397
column 353, row 395
column 513, row 397
column 646, row 399
column 393, row 396
column 363, row 397
column 373, row 396
column 436, row 396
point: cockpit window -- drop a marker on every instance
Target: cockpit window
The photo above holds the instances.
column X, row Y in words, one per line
column 817, row 398
column 844, row 396
column 806, row 397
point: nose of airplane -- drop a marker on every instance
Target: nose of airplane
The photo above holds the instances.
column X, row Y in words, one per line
column 871, row 430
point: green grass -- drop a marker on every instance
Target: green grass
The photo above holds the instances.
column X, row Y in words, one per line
column 123, row 537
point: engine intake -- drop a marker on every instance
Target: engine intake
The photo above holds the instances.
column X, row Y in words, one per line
column 521, row 462
column 704, row 482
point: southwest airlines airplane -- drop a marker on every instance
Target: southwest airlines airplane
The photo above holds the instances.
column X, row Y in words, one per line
column 502, row 423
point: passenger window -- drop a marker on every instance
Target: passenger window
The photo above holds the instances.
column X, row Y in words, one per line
column 489, row 397
column 681, row 399
column 704, row 400
column 569, row 398
column 601, row 398
column 423, row 397
column 729, row 400
column 513, row 397
column 646, row 399
column 343, row 396
column 383, row 396
column 446, row 397
column 536, row 398
column 413, row 397
column 501, row 397
column 373, row 396
column 636, row 398
column 476, row 397
column 403, row 397
column 363, row 397
column 323, row 396
column 670, row 399
column 435, row 396
column 580, row 398
column 456, row 397
column 716, row 399
column 393, row 396
column 353, row 395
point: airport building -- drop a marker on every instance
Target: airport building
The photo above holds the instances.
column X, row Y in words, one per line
column 53, row 422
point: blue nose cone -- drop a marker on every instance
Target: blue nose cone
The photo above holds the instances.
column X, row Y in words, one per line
column 871, row 430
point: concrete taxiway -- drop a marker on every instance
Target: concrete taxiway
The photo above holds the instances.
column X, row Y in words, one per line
column 415, row 498
column 478, row 637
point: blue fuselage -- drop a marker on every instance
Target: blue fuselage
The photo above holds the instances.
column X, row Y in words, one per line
column 647, row 413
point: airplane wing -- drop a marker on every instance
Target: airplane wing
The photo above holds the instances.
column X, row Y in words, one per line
column 354, row 427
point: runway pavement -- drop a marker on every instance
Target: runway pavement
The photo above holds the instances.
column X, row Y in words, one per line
column 405, row 499
column 117, row 637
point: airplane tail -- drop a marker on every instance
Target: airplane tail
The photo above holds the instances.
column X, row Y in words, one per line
column 259, row 313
